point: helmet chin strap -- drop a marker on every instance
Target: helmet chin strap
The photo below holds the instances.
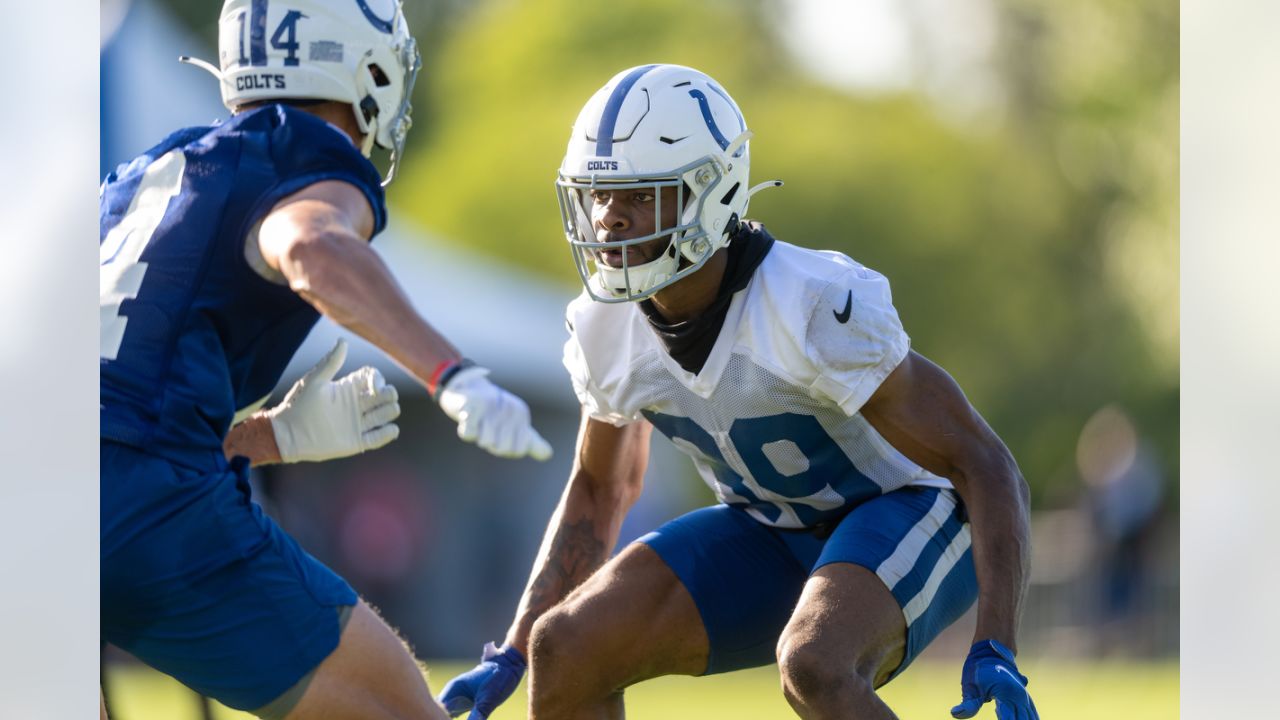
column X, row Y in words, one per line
column 763, row 186
column 202, row 64
column 366, row 145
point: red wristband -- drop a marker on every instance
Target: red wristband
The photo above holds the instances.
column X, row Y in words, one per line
column 443, row 373
column 434, row 380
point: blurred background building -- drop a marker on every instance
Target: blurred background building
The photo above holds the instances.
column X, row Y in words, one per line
column 1011, row 165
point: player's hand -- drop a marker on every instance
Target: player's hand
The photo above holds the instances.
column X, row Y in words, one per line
column 322, row 418
column 486, row 686
column 991, row 674
column 491, row 417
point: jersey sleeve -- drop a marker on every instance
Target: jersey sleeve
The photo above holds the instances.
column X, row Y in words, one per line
column 594, row 400
column 283, row 150
column 855, row 338
column 307, row 150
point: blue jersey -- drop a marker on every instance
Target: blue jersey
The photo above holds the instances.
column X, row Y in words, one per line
column 190, row 330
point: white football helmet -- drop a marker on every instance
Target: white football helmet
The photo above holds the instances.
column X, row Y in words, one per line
column 656, row 126
column 352, row 51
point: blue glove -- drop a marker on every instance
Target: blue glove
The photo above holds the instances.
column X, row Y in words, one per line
column 991, row 674
column 487, row 685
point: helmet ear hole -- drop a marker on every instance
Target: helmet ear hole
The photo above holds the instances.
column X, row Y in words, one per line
column 369, row 108
column 380, row 78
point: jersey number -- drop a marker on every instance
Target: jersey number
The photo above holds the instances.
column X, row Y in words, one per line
column 791, row 462
column 253, row 23
column 120, row 272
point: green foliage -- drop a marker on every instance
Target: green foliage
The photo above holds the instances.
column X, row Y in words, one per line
column 1033, row 256
column 506, row 94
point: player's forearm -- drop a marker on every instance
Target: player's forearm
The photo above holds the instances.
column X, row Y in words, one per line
column 347, row 281
column 997, row 499
column 579, row 539
column 255, row 439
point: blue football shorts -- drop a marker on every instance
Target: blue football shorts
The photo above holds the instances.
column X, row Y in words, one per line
column 200, row 584
column 746, row 577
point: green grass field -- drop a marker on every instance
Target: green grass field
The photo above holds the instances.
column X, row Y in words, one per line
column 1098, row 691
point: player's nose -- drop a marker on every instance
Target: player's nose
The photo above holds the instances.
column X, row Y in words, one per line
column 612, row 217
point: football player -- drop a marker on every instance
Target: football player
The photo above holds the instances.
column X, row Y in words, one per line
column 864, row 503
column 220, row 248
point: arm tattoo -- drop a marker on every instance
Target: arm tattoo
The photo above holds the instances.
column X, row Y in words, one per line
column 575, row 553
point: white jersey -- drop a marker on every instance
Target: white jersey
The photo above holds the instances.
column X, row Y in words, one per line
column 772, row 419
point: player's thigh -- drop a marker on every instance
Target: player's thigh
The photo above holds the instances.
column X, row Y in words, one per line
column 915, row 543
column 197, row 582
column 743, row 578
column 846, row 620
column 370, row 675
column 631, row 620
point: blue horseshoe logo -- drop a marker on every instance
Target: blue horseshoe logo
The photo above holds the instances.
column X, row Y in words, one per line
column 385, row 26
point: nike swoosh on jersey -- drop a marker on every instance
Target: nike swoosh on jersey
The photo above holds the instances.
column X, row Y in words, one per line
column 842, row 317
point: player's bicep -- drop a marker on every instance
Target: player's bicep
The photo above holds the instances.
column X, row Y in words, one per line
column 921, row 411
column 321, row 209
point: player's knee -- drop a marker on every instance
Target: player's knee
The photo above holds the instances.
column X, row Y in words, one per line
column 810, row 673
column 556, row 638
column 562, row 674
column 802, row 671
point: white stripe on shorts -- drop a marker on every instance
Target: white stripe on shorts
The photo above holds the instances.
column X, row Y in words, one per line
column 920, row 603
column 904, row 557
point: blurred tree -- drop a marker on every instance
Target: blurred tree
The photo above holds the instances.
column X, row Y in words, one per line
column 1093, row 86
column 511, row 83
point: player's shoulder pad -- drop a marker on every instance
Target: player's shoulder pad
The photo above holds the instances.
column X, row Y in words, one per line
column 800, row 283
column 303, row 148
column 599, row 353
column 602, row 330
column 853, row 332
column 853, row 318
column 585, row 315
column 138, row 165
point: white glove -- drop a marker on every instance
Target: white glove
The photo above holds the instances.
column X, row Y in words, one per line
column 491, row 417
column 323, row 419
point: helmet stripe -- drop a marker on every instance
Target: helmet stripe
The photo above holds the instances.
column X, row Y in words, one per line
column 706, row 115
column 386, row 26
column 258, row 33
column 604, row 137
column 742, row 124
